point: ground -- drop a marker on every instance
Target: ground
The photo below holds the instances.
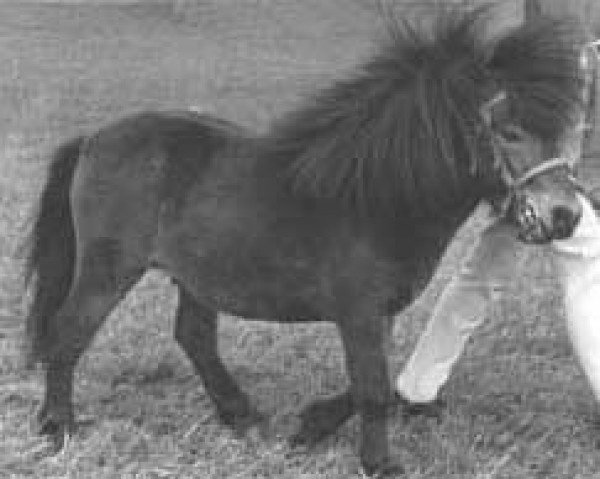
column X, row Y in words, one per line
column 518, row 406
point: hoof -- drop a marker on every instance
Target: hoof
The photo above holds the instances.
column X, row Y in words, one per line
column 309, row 434
column 390, row 469
column 321, row 419
column 241, row 424
column 57, row 430
column 434, row 409
column 303, row 440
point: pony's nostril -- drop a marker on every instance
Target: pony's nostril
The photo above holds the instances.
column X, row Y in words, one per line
column 528, row 215
column 525, row 213
column 564, row 221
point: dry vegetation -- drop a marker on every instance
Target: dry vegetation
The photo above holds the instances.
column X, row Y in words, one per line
column 518, row 406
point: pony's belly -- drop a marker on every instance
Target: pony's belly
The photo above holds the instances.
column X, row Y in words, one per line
column 250, row 278
column 249, row 290
column 286, row 274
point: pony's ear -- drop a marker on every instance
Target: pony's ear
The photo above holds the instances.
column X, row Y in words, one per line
column 487, row 109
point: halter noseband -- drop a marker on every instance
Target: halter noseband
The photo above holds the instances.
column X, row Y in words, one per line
column 544, row 167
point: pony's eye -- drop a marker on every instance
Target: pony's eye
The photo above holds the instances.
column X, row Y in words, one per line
column 511, row 134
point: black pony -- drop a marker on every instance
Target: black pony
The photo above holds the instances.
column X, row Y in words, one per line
column 339, row 213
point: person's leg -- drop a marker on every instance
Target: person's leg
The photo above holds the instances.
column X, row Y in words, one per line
column 460, row 309
column 583, row 326
column 578, row 258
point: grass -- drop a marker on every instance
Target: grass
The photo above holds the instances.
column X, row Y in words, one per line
column 518, row 407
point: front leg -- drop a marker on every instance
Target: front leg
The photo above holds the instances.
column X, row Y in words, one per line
column 364, row 345
column 56, row 418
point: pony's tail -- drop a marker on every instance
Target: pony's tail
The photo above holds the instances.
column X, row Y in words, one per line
column 51, row 252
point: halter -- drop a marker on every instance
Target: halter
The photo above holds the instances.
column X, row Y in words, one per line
column 512, row 182
column 544, row 167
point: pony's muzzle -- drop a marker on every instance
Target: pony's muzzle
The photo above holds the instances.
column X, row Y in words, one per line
column 538, row 228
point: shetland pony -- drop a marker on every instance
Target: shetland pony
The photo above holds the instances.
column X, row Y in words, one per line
column 340, row 212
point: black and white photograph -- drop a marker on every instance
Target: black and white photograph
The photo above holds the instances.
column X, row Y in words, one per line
column 299, row 239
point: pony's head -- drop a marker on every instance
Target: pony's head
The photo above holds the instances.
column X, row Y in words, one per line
column 542, row 197
column 539, row 129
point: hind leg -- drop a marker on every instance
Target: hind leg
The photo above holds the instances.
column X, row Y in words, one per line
column 100, row 282
column 322, row 418
column 196, row 332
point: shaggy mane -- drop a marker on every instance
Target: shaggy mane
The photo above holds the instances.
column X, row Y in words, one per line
column 404, row 135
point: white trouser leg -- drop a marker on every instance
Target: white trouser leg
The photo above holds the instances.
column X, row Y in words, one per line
column 459, row 311
column 583, row 326
column 578, row 258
